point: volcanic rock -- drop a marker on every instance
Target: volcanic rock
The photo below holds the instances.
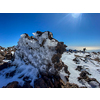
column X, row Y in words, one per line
column 13, row 84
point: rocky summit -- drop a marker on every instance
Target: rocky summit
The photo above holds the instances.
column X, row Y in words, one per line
column 40, row 61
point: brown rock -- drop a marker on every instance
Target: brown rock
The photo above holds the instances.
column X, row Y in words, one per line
column 40, row 83
column 50, row 35
column 27, row 85
column 66, row 69
column 57, row 83
column 67, row 78
column 48, row 82
column 60, row 48
column 39, row 33
column 70, row 85
column 4, row 65
column 13, row 84
column 56, row 58
column 79, row 68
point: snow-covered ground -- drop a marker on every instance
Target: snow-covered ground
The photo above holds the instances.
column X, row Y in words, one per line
column 26, row 70
column 34, row 55
column 91, row 66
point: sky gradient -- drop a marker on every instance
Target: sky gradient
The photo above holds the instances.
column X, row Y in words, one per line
column 75, row 30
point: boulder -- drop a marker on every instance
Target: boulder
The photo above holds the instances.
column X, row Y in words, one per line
column 56, row 58
column 70, row 85
column 4, row 65
column 60, row 48
column 13, row 84
column 27, row 85
column 40, row 83
column 79, row 68
column 48, row 82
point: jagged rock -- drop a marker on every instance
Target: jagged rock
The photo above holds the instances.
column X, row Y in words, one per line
column 58, row 66
column 13, row 84
column 60, row 48
column 79, row 68
column 27, row 79
column 67, row 78
column 48, row 82
column 50, row 35
column 56, row 58
column 21, row 76
column 9, row 56
column 1, row 61
column 66, row 69
column 70, row 85
column 57, row 83
column 92, row 81
column 76, row 60
column 40, row 83
column 2, row 53
column 83, row 74
column 4, row 65
column 39, row 33
column 11, row 74
column 1, row 57
column 27, row 85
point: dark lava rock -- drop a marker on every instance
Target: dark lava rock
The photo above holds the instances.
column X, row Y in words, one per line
column 50, row 35
column 1, row 61
column 9, row 56
column 56, row 58
column 39, row 33
column 2, row 53
column 79, row 68
column 58, row 66
column 27, row 85
column 83, row 74
column 27, row 79
column 70, row 85
column 1, row 57
column 67, row 78
column 13, row 84
column 48, row 82
column 21, row 76
column 57, row 83
column 66, row 69
column 4, row 65
column 60, row 48
column 40, row 83
column 11, row 74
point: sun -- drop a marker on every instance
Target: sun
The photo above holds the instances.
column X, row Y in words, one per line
column 76, row 15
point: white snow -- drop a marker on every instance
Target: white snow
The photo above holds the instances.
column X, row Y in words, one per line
column 2, row 50
column 32, row 52
column 6, row 60
column 26, row 70
column 90, row 66
column 12, row 52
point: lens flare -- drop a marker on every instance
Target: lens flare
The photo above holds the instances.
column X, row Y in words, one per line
column 76, row 15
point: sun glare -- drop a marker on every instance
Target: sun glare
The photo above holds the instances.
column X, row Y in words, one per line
column 76, row 15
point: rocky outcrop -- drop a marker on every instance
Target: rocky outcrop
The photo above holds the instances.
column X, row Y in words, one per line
column 91, row 81
column 12, row 85
column 4, row 65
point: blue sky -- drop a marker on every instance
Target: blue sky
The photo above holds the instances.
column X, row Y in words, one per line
column 73, row 29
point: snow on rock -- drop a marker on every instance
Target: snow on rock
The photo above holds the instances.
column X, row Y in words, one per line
column 35, row 55
column 37, row 51
column 42, row 61
column 86, row 63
